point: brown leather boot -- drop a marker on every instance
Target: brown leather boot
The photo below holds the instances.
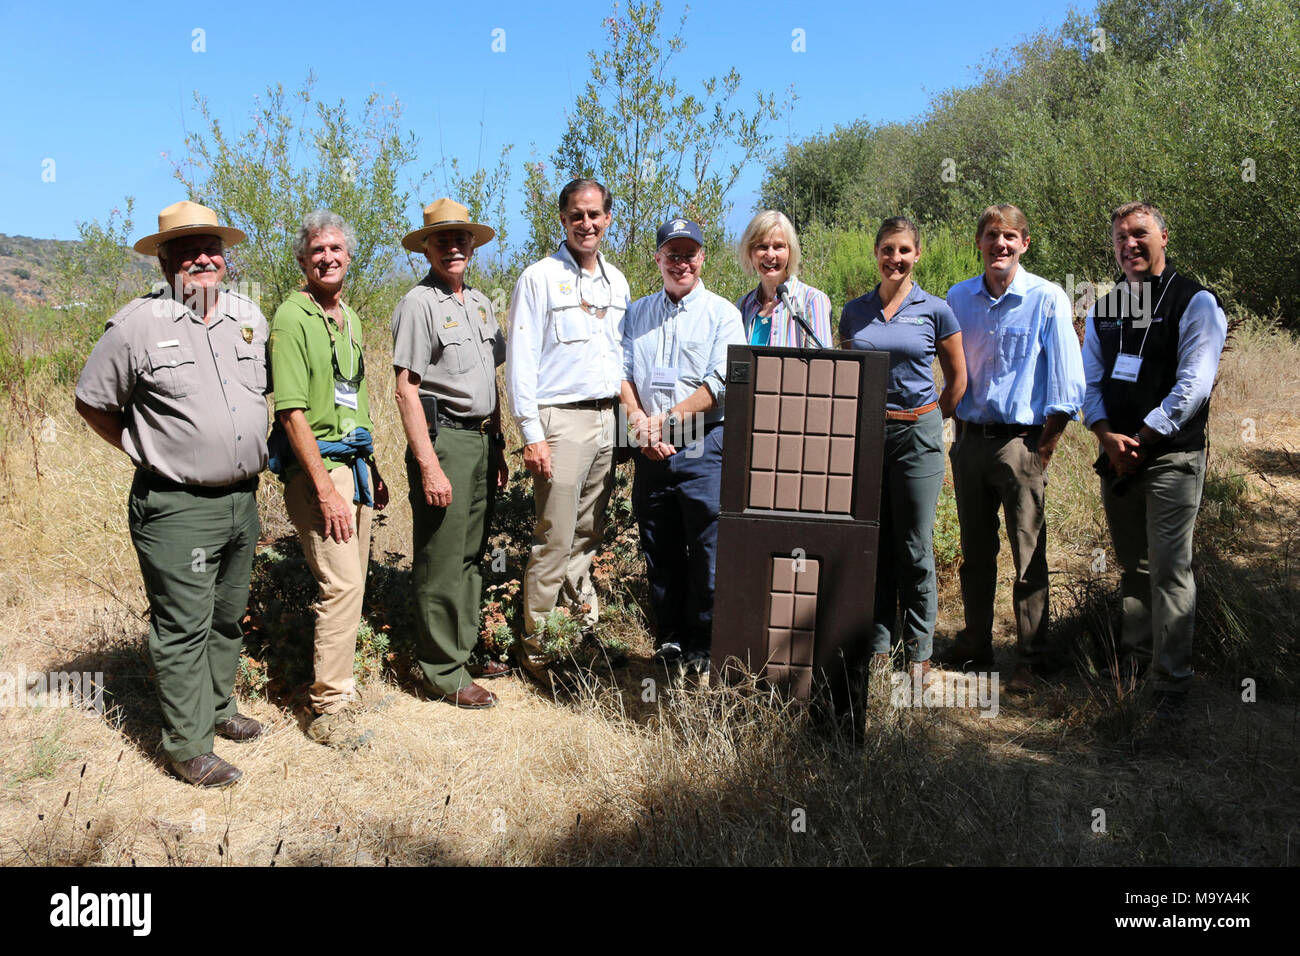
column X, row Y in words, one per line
column 206, row 770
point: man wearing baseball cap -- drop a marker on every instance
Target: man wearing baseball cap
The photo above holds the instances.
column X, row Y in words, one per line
column 674, row 380
column 176, row 383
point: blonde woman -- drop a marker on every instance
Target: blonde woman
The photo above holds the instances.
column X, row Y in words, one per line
column 769, row 249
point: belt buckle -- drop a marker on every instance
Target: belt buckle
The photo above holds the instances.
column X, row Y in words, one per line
column 484, row 425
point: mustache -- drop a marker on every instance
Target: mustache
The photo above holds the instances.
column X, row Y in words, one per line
column 197, row 269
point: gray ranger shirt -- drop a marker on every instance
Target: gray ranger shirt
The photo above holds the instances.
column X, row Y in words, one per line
column 191, row 393
column 453, row 347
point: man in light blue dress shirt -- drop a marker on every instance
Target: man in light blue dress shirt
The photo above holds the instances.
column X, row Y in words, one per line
column 674, row 370
column 1024, row 384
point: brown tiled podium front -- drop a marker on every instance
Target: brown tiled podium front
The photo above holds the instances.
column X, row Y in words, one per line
column 798, row 533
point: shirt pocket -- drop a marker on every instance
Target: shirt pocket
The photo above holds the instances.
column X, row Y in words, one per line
column 693, row 358
column 458, row 346
column 494, row 344
column 572, row 325
column 173, row 372
column 252, row 366
column 1013, row 347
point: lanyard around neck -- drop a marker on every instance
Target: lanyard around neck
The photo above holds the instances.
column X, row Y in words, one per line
column 355, row 361
column 1151, row 321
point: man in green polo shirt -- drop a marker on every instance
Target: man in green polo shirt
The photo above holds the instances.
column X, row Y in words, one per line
column 321, row 403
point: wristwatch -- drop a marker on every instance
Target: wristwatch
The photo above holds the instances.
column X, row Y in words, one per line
column 672, row 420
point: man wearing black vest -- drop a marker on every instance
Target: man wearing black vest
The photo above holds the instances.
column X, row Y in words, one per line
column 1150, row 354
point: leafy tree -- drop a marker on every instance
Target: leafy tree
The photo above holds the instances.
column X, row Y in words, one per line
column 544, row 232
column 1141, row 30
column 661, row 150
column 1192, row 106
column 101, row 273
column 1222, row 133
column 815, row 180
column 483, row 193
column 300, row 154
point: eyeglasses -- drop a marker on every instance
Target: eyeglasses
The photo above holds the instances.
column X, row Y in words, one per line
column 599, row 311
column 679, row 259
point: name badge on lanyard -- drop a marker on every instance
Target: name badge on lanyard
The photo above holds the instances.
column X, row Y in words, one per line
column 664, row 376
column 345, row 395
column 1126, row 367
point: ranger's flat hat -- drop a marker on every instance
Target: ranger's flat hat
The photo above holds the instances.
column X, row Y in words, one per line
column 187, row 218
column 441, row 215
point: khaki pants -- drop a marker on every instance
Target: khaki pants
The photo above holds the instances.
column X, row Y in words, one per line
column 571, row 512
column 340, row 571
column 989, row 473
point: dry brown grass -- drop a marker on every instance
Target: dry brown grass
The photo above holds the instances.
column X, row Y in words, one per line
column 601, row 775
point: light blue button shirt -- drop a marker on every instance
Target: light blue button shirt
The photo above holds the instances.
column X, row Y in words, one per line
column 690, row 337
column 1023, row 360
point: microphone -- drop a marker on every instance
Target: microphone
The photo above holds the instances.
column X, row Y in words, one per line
column 784, row 295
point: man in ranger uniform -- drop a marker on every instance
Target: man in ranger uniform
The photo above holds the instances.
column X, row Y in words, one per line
column 177, row 383
column 446, row 349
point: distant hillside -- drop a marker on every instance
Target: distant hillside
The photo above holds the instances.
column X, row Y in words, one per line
column 29, row 267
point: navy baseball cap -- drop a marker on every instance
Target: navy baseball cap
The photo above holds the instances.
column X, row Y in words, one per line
column 678, row 229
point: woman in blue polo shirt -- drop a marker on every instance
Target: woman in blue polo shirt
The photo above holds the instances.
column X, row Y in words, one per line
column 769, row 249
column 901, row 318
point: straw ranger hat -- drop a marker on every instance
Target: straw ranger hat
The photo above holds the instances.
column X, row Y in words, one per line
column 441, row 215
column 187, row 218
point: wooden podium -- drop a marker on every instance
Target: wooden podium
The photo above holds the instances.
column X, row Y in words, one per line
column 800, row 524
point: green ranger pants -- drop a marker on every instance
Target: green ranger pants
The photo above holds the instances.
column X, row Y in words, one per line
column 448, row 545
column 196, row 548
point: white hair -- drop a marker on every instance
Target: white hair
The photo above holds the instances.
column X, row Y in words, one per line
column 318, row 220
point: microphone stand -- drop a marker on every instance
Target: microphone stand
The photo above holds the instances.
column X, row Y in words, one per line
column 784, row 294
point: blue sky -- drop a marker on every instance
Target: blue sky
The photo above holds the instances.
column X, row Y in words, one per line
column 106, row 91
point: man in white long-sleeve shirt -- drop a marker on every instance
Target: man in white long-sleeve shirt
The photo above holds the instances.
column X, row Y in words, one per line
column 1151, row 351
column 564, row 365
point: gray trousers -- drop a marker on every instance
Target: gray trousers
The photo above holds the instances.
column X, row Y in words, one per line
column 912, row 476
column 991, row 473
column 1151, row 526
